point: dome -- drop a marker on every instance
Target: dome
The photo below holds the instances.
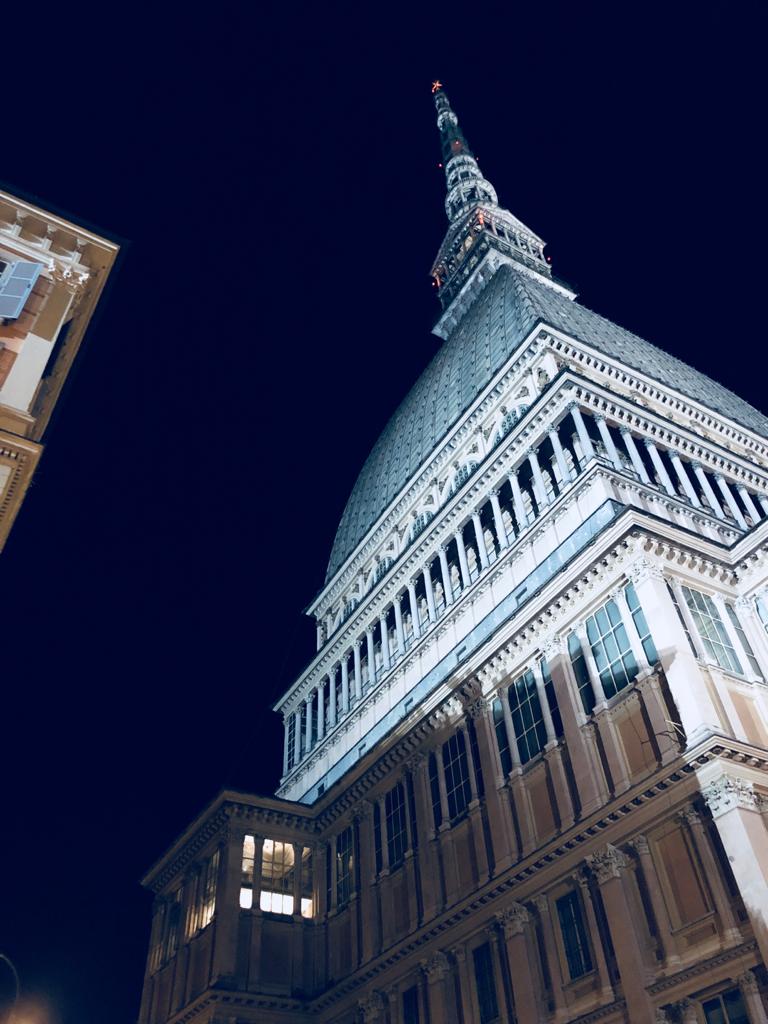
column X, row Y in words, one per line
column 499, row 321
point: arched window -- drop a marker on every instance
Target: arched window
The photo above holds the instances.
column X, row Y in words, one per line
column 419, row 524
column 506, row 425
column 381, row 570
column 462, row 475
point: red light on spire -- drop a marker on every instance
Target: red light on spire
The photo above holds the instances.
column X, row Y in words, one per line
column 437, row 84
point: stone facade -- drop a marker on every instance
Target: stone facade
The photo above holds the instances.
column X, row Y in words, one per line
column 525, row 776
column 52, row 273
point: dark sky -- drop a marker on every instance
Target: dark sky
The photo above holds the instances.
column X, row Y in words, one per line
column 275, row 171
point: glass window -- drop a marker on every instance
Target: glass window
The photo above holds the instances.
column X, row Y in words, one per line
column 527, row 719
column 434, row 787
column 753, row 662
column 344, row 866
column 377, row 837
column 549, row 689
column 277, row 871
column 641, row 624
column 574, row 935
column 291, row 741
column 397, row 833
column 712, row 631
column 611, row 649
column 207, row 889
column 456, row 775
column 581, row 671
column 411, row 1006
column 306, row 883
column 726, row 1008
column 486, row 986
column 502, row 740
column 761, row 604
column 680, row 616
column 246, row 879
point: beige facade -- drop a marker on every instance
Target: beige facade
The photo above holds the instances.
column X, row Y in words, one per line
column 525, row 774
column 56, row 270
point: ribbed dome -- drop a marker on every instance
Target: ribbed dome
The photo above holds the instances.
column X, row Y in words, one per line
column 510, row 306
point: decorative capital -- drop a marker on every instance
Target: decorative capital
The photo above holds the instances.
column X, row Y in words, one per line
column 362, row 811
column 661, row 1016
column 414, row 763
column 607, row 863
column 640, row 844
column 554, row 646
column 436, row 968
column 689, row 816
column 747, row 982
column 643, row 569
column 513, row 919
column 476, row 707
column 458, row 953
column 728, row 792
column 372, row 1008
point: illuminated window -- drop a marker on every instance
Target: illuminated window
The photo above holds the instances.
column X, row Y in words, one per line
column 641, row 625
column 246, row 882
column 527, row 719
column 735, row 622
column 616, row 664
column 344, row 866
column 574, row 935
column 726, row 1008
column 203, row 902
column 580, row 670
column 306, row 882
column 712, row 631
column 277, row 870
column 397, row 832
column 165, row 930
column 456, row 775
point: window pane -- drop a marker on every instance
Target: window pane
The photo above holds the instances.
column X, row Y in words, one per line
column 456, row 775
column 411, row 1006
column 502, row 739
column 641, row 625
column 344, row 866
column 711, row 629
column 574, row 935
column 397, row 836
column 277, row 873
column 611, row 649
column 736, row 623
column 581, row 672
column 486, row 987
column 527, row 718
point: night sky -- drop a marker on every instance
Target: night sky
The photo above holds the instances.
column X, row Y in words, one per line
column 274, row 172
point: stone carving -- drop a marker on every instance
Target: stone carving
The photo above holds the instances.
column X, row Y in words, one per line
column 728, row 792
column 513, row 919
column 607, row 863
column 661, row 1016
column 643, row 569
column 747, row 982
column 640, row 844
column 372, row 1008
column 554, row 646
column 437, row 967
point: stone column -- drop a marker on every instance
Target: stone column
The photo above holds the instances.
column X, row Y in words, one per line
column 332, row 709
column 634, row 454
column 714, row 504
column 344, row 685
column 445, row 573
column 494, row 943
column 750, row 506
column 581, row 429
column 660, row 468
column 297, row 738
column 606, row 988
column 459, row 954
column 227, row 913
column 514, row 921
column 399, row 631
column 517, row 498
column 750, row 993
column 371, row 648
column 414, row 606
column 502, row 827
column 438, row 970
column 736, row 810
column 686, row 683
column 393, row 1001
column 609, row 864
column 285, row 745
column 429, row 867
column 498, row 522
column 320, row 712
column 358, row 671
column 586, row 771
column 730, row 501
column 308, row 735
column 667, row 944
column 685, row 480
column 610, row 447
column 385, row 663
column 538, row 478
column 541, row 902
column 430, row 594
column 480, row 540
column 463, row 564
column 298, row 867
column 557, row 448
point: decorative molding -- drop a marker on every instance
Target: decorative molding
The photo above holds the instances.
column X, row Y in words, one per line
column 608, row 863
column 728, row 792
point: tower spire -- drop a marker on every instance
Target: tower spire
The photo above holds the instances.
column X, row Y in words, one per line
column 481, row 234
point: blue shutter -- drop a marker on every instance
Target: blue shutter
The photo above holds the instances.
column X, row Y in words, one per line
column 17, row 281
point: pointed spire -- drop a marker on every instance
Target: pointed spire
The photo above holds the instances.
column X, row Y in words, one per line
column 466, row 185
column 482, row 236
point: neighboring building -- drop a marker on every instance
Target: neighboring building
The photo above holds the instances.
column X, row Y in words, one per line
column 526, row 773
column 52, row 273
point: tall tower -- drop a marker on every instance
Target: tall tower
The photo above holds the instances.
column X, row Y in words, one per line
column 52, row 274
column 525, row 775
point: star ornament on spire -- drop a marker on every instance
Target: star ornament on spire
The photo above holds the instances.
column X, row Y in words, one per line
column 437, row 84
